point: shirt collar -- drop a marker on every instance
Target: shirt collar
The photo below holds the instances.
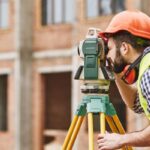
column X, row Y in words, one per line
column 146, row 50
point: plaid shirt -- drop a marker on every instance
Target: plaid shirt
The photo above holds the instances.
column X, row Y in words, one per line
column 145, row 87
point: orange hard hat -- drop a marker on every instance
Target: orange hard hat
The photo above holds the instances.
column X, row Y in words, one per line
column 135, row 22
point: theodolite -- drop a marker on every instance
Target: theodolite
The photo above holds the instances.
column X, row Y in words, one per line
column 96, row 75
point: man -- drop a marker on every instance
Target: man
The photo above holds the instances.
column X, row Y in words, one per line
column 128, row 37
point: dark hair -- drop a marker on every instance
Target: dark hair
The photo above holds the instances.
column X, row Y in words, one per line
column 138, row 43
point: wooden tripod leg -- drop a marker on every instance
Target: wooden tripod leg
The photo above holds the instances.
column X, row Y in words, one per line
column 118, row 124
column 69, row 134
column 75, row 132
column 102, row 123
column 120, row 128
column 90, row 130
column 113, row 127
column 111, row 124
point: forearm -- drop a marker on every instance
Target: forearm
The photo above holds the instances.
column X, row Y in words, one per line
column 137, row 139
column 127, row 92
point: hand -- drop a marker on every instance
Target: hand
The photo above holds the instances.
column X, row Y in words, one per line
column 109, row 141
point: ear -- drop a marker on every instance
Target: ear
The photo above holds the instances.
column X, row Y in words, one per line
column 124, row 48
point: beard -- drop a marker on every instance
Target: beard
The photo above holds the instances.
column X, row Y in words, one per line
column 119, row 62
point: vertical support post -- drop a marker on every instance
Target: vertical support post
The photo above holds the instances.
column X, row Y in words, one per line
column 102, row 123
column 145, row 6
column 23, row 74
column 91, row 132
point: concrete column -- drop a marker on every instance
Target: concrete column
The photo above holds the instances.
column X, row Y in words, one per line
column 133, row 4
column 145, row 6
column 23, row 74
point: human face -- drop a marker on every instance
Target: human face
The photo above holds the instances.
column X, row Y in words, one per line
column 116, row 57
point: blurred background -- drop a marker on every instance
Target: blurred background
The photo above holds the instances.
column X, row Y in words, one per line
column 38, row 60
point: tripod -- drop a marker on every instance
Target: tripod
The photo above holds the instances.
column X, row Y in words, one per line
column 94, row 104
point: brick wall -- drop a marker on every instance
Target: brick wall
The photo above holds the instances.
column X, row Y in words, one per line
column 45, row 39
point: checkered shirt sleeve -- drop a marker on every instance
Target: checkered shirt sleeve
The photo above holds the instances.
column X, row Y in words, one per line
column 145, row 87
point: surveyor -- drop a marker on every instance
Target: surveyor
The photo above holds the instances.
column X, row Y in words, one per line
column 128, row 37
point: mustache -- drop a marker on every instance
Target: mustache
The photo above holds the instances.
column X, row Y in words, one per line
column 113, row 66
column 119, row 68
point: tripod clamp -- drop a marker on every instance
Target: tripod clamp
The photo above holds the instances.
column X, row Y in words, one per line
column 95, row 104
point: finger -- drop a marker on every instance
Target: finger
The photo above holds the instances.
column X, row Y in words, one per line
column 106, row 148
column 101, row 146
column 100, row 136
column 100, row 141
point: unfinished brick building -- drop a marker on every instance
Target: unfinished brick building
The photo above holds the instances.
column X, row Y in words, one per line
column 57, row 27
